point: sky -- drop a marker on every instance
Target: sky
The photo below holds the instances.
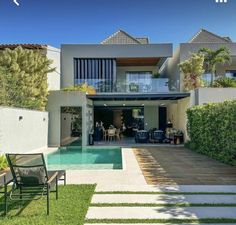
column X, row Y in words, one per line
column 57, row 22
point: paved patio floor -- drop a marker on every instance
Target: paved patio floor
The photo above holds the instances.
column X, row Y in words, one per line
column 180, row 166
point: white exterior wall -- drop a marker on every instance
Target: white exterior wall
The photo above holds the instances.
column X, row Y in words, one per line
column 22, row 135
column 54, row 78
column 58, row 99
column 208, row 95
column 151, row 117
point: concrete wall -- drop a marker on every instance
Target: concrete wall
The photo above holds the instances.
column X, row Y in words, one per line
column 54, row 78
column 69, row 52
column 22, row 130
column 208, row 95
column 56, row 100
column 151, row 117
column 171, row 70
column 176, row 113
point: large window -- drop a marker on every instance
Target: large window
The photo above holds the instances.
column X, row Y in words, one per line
column 138, row 81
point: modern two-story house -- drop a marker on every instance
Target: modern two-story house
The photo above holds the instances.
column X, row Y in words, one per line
column 124, row 71
column 130, row 91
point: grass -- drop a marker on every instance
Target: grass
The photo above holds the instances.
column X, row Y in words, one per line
column 163, row 205
column 69, row 209
column 165, row 193
column 179, row 221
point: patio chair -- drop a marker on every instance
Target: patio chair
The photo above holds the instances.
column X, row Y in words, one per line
column 141, row 136
column 111, row 134
column 3, row 183
column 31, row 180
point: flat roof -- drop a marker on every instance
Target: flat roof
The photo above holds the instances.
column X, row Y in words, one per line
column 138, row 96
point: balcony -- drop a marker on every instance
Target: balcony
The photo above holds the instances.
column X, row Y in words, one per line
column 153, row 85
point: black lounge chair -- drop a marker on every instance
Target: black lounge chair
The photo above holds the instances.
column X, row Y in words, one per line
column 158, row 136
column 3, row 184
column 31, row 180
column 141, row 136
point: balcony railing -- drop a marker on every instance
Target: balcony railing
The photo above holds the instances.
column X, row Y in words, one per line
column 153, row 85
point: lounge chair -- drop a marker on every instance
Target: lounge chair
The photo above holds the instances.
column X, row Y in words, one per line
column 3, row 183
column 141, row 136
column 31, row 180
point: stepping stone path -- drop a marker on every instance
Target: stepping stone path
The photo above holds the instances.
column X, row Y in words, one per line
column 153, row 211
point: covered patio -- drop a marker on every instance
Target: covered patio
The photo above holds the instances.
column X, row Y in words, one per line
column 131, row 119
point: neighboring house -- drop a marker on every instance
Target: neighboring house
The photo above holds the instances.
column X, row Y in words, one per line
column 201, row 39
column 51, row 53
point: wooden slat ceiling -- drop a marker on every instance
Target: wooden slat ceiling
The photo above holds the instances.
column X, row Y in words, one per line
column 137, row 61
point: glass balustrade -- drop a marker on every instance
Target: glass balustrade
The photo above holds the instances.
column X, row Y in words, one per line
column 153, row 85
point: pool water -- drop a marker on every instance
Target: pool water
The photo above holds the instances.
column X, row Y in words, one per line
column 87, row 158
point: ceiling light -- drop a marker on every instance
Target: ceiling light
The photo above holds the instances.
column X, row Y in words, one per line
column 105, row 104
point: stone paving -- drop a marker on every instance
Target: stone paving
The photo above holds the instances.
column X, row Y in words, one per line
column 161, row 212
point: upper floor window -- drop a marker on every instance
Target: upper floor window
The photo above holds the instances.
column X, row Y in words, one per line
column 230, row 73
column 139, row 81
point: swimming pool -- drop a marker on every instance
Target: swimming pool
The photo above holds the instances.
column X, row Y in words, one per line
column 87, row 158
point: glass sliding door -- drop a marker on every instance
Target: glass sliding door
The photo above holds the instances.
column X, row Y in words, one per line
column 138, row 81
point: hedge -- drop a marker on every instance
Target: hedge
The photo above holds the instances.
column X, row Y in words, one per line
column 212, row 130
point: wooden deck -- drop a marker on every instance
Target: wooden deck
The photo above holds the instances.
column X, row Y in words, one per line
column 168, row 165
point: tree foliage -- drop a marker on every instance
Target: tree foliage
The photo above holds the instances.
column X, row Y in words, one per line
column 214, row 57
column 192, row 69
column 23, row 78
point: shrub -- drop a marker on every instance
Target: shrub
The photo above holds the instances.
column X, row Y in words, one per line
column 212, row 130
column 224, row 82
column 3, row 162
column 82, row 88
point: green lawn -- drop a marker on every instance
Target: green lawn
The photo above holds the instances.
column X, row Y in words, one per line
column 69, row 209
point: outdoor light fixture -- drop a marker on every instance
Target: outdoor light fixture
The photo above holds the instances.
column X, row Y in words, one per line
column 123, row 104
column 20, row 118
column 105, row 104
column 142, row 104
column 162, row 104
column 44, row 119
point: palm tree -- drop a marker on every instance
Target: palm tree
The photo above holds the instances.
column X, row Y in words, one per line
column 214, row 57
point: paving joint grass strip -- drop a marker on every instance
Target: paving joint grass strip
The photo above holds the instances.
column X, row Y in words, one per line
column 164, row 204
column 179, row 221
column 165, row 193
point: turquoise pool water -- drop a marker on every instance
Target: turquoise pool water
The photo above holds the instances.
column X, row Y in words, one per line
column 88, row 158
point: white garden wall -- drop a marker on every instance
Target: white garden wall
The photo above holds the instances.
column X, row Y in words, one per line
column 22, row 130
